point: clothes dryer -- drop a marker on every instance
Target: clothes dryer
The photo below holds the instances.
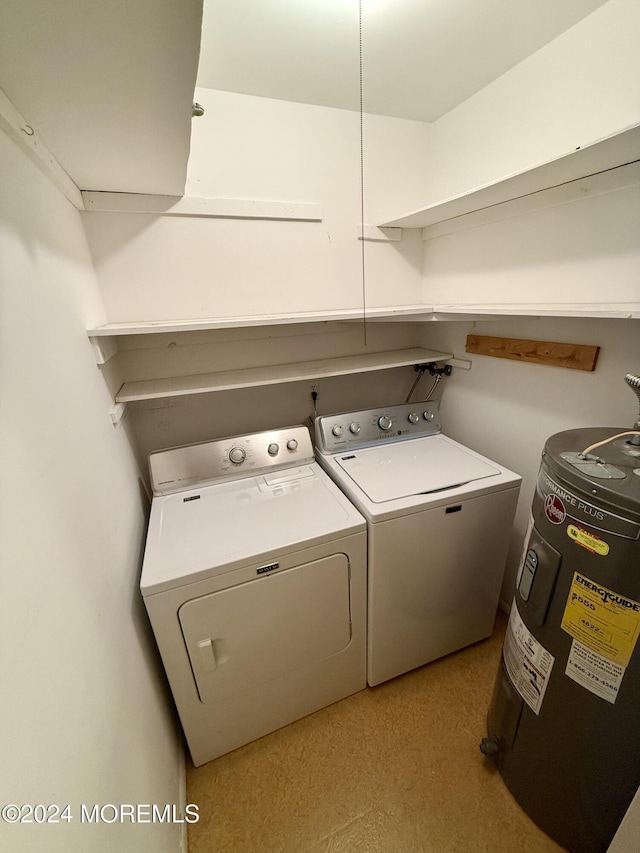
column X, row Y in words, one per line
column 439, row 519
column 254, row 579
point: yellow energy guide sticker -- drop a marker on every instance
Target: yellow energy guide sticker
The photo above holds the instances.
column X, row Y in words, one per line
column 601, row 619
column 587, row 540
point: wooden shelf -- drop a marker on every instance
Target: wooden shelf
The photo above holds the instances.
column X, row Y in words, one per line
column 604, row 155
column 151, row 389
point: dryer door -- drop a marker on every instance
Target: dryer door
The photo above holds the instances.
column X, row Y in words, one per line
column 255, row 632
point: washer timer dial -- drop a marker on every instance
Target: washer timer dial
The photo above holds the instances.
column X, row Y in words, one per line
column 385, row 422
column 237, row 455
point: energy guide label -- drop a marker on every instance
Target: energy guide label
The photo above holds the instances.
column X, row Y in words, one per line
column 605, row 627
column 527, row 661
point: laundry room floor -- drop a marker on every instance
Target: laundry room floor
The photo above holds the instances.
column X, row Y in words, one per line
column 392, row 769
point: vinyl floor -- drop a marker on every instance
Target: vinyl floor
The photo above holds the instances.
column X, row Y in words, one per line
column 393, row 769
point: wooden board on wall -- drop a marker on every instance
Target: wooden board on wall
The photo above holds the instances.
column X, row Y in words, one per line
column 574, row 356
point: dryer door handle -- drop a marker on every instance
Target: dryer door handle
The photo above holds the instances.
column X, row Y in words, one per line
column 207, row 655
column 212, row 653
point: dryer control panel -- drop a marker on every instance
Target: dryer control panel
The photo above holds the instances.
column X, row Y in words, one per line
column 335, row 433
column 193, row 465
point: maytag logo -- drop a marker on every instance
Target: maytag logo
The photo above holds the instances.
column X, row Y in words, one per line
column 264, row 569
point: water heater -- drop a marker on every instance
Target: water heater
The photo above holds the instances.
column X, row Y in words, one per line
column 564, row 721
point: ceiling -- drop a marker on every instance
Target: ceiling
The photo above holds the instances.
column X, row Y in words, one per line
column 420, row 58
column 107, row 85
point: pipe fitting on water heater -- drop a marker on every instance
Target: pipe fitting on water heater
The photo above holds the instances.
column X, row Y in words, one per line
column 633, row 381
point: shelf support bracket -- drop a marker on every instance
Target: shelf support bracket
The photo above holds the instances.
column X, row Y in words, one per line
column 103, row 348
column 117, row 413
column 374, row 234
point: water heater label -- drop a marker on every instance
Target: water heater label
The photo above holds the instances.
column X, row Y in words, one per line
column 588, row 540
column 604, row 621
column 595, row 672
column 560, row 504
column 527, row 661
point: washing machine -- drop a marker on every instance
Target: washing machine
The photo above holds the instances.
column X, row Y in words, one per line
column 439, row 519
column 254, row 580
column 563, row 724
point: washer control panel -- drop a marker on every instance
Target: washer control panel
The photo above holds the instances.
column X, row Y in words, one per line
column 181, row 468
column 334, row 433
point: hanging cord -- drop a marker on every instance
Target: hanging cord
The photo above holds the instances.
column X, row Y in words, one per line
column 362, row 240
column 311, row 419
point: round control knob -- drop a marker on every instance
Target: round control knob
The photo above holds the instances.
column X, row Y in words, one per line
column 354, row 428
column 428, row 415
column 413, row 418
column 385, row 422
column 237, row 455
column 273, row 449
column 292, row 444
column 337, row 430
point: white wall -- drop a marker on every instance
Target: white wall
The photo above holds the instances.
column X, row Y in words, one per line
column 199, row 417
column 161, row 267
column 585, row 251
column 580, row 87
column 507, row 409
column 84, row 716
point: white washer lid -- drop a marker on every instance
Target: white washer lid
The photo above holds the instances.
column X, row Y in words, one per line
column 414, row 467
column 204, row 532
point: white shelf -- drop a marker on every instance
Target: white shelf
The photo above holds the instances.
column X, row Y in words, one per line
column 216, row 208
column 404, row 314
column 104, row 338
column 601, row 156
column 613, row 310
column 155, row 327
column 151, row 389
